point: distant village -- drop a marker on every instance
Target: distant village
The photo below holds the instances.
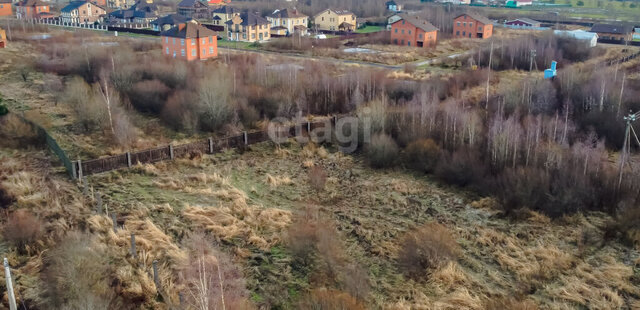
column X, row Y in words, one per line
column 192, row 31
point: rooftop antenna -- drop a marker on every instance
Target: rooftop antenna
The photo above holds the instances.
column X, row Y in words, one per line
column 626, row 146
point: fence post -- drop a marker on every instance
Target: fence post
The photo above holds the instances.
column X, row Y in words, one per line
column 79, row 169
column 10, row 293
column 308, row 127
column 171, row 151
column 129, row 159
column 246, row 138
column 210, row 145
column 133, row 245
column 98, row 202
column 74, row 171
column 115, row 222
column 156, row 278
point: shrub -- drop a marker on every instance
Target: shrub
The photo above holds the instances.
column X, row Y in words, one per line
column 423, row 155
column 149, row 95
column 317, row 178
column 215, row 103
column 329, row 299
column 463, row 168
column 6, row 199
column 22, row 229
column 77, row 275
column 382, row 151
column 429, row 246
column 90, row 113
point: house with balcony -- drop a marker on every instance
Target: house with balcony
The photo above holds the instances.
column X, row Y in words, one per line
column 195, row 9
column 248, row 27
column 81, row 12
column 335, row 20
column 222, row 15
column 288, row 21
column 167, row 22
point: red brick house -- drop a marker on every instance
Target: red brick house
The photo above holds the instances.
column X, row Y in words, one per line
column 32, row 9
column 5, row 8
column 471, row 25
column 190, row 41
column 413, row 31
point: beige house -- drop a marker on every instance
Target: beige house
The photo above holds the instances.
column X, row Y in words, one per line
column 222, row 15
column 288, row 21
column 248, row 27
column 332, row 20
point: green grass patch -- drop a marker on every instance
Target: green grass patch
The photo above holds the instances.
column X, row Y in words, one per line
column 369, row 29
column 238, row 44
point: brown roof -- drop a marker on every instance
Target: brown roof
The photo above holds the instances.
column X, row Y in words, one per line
column 6, row 1
column 418, row 22
column 477, row 17
column 31, row 3
column 339, row 12
column 189, row 30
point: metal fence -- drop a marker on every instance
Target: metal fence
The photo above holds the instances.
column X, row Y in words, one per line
column 207, row 146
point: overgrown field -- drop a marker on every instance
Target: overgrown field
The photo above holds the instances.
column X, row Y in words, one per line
column 298, row 244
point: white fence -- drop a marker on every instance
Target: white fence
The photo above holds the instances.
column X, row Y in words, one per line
column 54, row 22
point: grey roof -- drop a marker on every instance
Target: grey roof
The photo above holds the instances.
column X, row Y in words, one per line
column 190, row 30
column 191, row 3
column 526, row 20
column 418, row 22
column 226, row 10
column 250, row 19
column 287, row 13
column 6, row 1
column 388, row 3
column 31, row 3
column 72, row 6
column 609, row 28
column 339, row 12
column 477, row 17
column 171, row 19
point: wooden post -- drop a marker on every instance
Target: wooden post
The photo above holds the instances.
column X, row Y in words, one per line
column 115, row 222
column 210, row 145
column 171, row 151
column 133, row 245
column 129, row 159
column 10, row 293
column 156, row 278
column 85, row 186
column 79, row 169
column 74, row 171
column 99, row 203
column 246, row 138
column 308, row 127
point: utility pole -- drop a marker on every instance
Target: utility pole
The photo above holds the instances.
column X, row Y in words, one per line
column 489, row 74
column 626, row 146
column 531, row 58
column 10, row 293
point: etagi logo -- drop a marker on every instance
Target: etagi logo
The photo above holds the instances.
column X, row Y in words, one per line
column 348, row 132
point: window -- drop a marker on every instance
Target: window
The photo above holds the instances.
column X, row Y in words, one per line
column 470, row 24
column 253, row 36
column 174, row 40
column 260, row 35
column 463, row 34
column 464, row 24
column 193, row 52
column 193, row 41
column 182, row 52
column 211, row 50
column 409, row 31
column 457, row 33
column 420, row 36
column 211, row 39
column 166, row 39
column 396, row 30
column 402, row 31
column 204, row 51
column 395, row 41
column 204, row 41
column 403, row 21
column 322, row 18
column 469, row 34
column 402, row 42
column 174, row 54
column 167, row 51
column 480, row 28
column 408, row 43
column 458, row 23
column 182, row 42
